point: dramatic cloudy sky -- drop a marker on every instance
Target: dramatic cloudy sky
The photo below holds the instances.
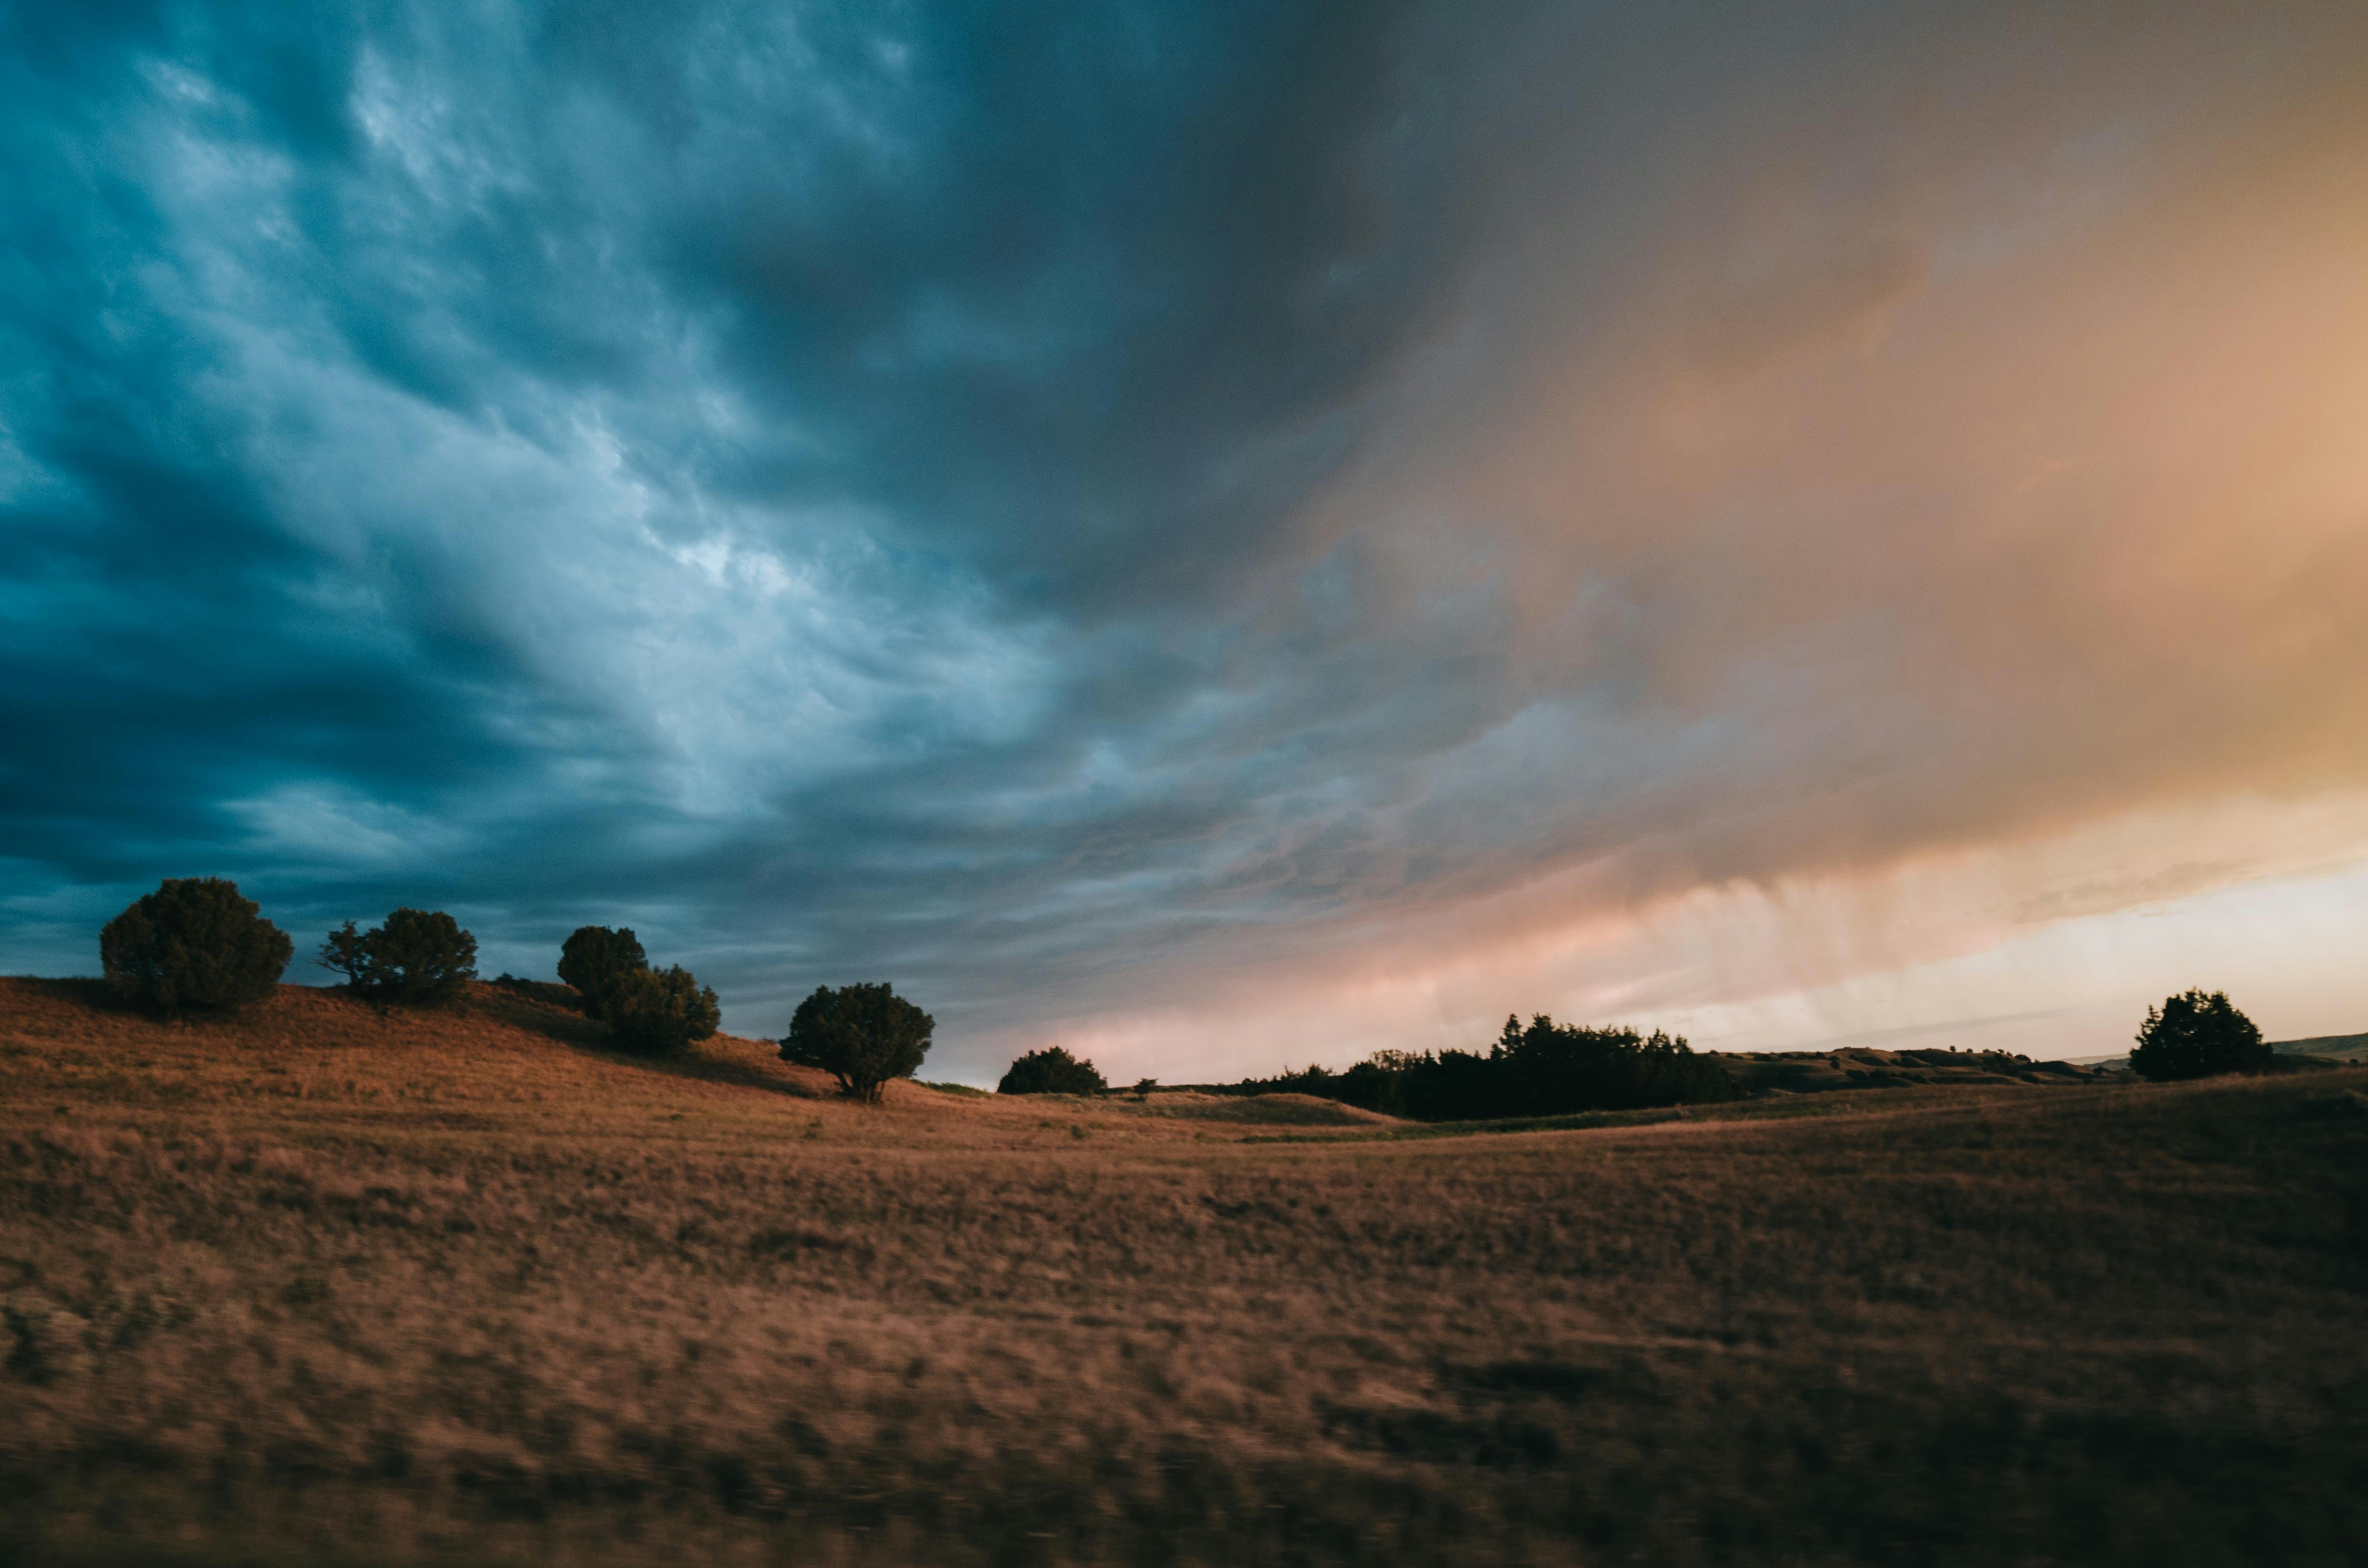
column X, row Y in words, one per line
column 1214, row 533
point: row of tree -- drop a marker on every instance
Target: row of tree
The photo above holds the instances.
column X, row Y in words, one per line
column 1543, row 1069
column 1550, row 1069
column 196, row 945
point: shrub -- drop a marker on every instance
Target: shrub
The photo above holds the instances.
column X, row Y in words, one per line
column 860, row 1035
column 193, row 944
column 657, row 1011
column 1051, row 1071
column 595, row 960
column 2196, row 1035
column 417, row 956
column 346, row 952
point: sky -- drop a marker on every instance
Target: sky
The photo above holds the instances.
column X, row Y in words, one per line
column 1214, row 534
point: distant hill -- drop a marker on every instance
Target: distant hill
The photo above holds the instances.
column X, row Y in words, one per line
column 1863, row 1067
column 2318, row 1048
column 2341, row 1046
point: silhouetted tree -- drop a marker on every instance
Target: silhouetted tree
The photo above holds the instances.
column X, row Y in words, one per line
column 2194, row 1035
column 595, row 959
column 1553, row 1069
column 1544, row 1069
column 1456, row 1086
column 657, row 1011
column 860, row 1035
column 1051, row 1071
column 193, row 944
column 345, row 950
column 1371, row 1085
column 418, row 955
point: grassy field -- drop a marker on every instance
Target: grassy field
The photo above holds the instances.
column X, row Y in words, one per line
column 319, row 1286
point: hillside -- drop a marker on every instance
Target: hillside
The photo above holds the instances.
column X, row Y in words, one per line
column 2340, row 1047
column 1863, row 1067
column 317, row 1285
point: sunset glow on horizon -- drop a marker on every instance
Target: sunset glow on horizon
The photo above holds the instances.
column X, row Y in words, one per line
column 1219, row 539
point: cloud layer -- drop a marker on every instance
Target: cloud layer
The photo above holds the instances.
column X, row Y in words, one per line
column 1113, row 513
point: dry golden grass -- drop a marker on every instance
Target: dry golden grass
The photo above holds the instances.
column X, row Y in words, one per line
column 314, row 1285
column 1865, row 1067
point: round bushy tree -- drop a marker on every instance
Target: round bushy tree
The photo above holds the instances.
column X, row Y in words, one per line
column 193, row 944
column 423, row 955
column 417, row 956
column 1051, row 1071
column 657, row 1011
column 595, row 960
column 2194, row 1035
column 860, row 1035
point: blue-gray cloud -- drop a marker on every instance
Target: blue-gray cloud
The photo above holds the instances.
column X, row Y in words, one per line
column 727, row 465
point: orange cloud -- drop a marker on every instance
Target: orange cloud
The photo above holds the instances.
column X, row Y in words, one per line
column 1991, row 527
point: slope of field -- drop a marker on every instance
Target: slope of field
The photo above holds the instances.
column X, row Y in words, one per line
column 1269, row 1110
column 2342, row 1047
column 1863, row 1067
column 316, row 1285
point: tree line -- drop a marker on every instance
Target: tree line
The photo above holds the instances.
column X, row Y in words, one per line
column 196, row 944
column 1541, row 1069
column 1544, row 1068
column 1550, row 1069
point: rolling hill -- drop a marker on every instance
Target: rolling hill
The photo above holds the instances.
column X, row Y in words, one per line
column 2337, row 1047
column 1863, row 1067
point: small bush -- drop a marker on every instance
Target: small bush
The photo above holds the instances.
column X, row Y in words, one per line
column 2196, row 1035
column 193, row 944
column 860, row 1035
column 657, row 1011
column 1051, row 1071
column 418, row 955
column 596, row 961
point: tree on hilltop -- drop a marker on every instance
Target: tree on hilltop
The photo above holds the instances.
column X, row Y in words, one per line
column 649, row 1010
column 418, row 955
column 2194, row 1035
column 657, row 1011
column 861, row 1035
column 1053, row 1071
column 193, row 944
column 595, row 960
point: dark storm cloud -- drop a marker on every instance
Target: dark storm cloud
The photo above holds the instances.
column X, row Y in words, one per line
column 1057, row 504
column 339, row 341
